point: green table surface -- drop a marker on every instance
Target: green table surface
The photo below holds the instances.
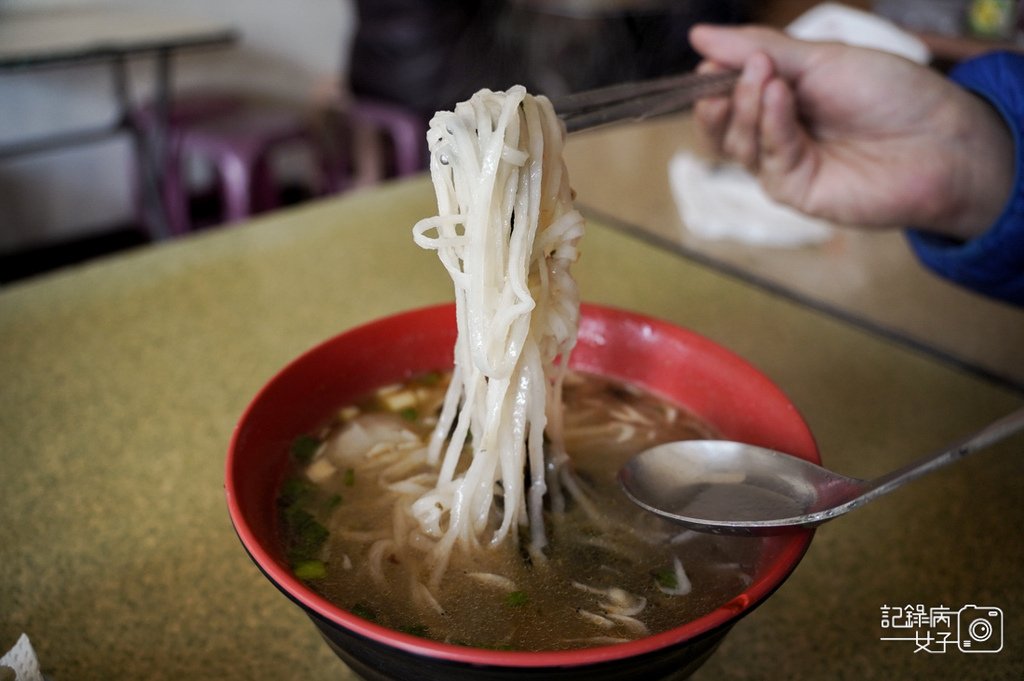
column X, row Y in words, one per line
column 120, row 382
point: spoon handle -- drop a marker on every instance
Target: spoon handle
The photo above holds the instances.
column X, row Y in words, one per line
column 989, row 435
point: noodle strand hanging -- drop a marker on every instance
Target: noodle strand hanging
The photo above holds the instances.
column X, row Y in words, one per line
column 506, row 231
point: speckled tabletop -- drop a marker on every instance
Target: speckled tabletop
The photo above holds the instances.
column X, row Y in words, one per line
column 120, row 383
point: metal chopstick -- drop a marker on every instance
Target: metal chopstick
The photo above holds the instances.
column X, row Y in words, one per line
column 639, row 100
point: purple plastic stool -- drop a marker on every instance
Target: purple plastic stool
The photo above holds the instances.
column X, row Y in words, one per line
column 239, row 147
column 406, row 130
column 189, row 108
column 186, row 110
column 237, row 139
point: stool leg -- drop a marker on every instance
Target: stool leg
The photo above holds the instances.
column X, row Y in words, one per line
column 334, row 155
column 406, row 131
column 234, row 175
column 175, row 190
column 323, row 181
column 264, row 194
column 408, row 140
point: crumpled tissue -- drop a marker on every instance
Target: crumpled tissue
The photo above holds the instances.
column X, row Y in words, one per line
column 22, row 660
column 845, row 24
column 724, row 201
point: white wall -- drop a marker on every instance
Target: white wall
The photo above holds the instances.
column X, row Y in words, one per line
column 286, row 49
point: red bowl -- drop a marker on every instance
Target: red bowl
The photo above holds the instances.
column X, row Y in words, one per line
column 678, row 364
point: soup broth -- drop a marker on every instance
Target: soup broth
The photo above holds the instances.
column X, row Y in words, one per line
column 611, row 571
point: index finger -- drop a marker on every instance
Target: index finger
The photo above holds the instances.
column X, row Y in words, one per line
column 731, row 47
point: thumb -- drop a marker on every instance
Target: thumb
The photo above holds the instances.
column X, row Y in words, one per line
column 731, row 47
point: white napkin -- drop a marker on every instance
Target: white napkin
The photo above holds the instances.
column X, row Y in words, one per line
column 22, row 659
column 726, row 202
column 845, row 24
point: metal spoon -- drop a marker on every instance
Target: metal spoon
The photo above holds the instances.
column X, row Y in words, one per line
column 733, row 488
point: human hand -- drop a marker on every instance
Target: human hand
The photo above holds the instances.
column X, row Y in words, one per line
column 855, row 136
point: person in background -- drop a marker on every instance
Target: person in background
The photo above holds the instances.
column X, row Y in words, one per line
column 865, row 138
column 427, row 55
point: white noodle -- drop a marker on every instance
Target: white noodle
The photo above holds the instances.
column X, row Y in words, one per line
column 596, row 619
column 424, row 599
column 494, row 580
column 598, row 640
column 375, row 558
column 684, row 537
column 506, row 231
column 621, row 602
column 634, row 625
column 360, row 535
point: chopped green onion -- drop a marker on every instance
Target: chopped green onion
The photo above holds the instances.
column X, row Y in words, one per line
column 306, row 534
column 350, row 477
column 303, row 448
column 310, row 569
column 334, row 501
column 294, row 491
column 666, row 578
column 409, row 413
column 429, row 378
column 517, row 598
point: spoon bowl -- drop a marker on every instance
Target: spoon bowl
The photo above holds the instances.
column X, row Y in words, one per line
column 734, row 488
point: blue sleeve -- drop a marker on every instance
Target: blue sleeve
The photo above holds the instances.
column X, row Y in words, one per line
column 993, row 263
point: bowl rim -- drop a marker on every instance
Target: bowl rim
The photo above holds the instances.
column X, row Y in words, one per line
column 781, row 566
